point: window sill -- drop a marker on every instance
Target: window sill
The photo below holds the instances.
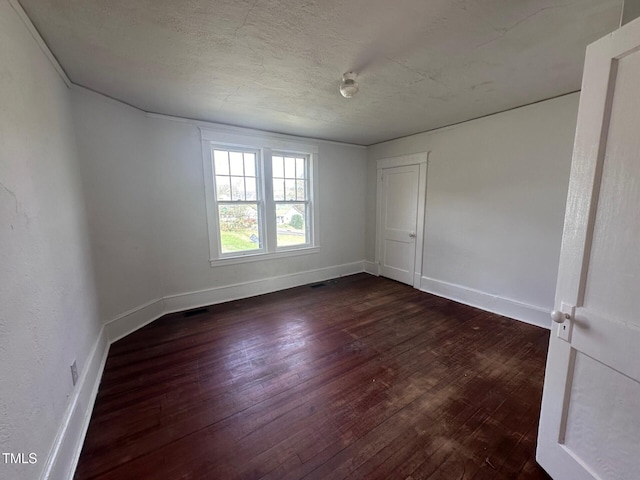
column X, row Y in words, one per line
column 258, row 257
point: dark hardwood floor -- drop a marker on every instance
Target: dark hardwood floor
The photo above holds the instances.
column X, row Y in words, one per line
column 363, row 378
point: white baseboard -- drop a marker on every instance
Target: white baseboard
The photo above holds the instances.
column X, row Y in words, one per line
column 65, row 452
column 185, row 301
column 64, row 455
column 493, row 303
column 67, row 446
column 372, row 268
column 136, row 318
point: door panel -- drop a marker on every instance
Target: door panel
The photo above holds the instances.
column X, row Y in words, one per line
column 617, row 223
column 589, row 424
column 399, row 222
column 599, row 426
column 598, row 430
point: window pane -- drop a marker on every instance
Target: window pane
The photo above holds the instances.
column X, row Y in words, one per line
column 278, row 170
column 223, row 188
column 300, row 190
column 300, row 164
column 278, row 189
column 239, row 228
column 237, row 163
column 290, row 189
column 237, row 188
column 250, row 164
column 252, row 193
column 291, row 224
column 221, row 160
column 290, row 167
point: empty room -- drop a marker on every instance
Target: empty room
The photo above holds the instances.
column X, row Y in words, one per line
column 279, row 239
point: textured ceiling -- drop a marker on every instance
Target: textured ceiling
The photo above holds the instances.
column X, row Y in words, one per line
column 276, row 65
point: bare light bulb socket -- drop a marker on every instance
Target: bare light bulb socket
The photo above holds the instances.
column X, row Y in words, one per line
column 349, row 86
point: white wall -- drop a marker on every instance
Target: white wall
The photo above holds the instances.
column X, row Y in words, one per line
column 184, row 250
column 48, row 305
column 120, row 178
column 131, row 243
column 145, row 196
column 496, row 193
column 102, row 218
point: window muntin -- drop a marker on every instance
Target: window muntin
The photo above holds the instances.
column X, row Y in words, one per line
column 260, row 201
column 238, row 198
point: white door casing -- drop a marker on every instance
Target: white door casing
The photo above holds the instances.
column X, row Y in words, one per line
column 590, row 418
column 400, row 219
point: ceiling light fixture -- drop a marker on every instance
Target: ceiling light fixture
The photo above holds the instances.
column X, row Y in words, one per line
column 349, row 86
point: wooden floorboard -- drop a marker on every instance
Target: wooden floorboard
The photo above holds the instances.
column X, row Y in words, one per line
column 361, row 378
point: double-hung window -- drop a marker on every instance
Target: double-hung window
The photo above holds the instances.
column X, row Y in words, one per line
column 291, row 197
column 238, row 199
column 260, row 198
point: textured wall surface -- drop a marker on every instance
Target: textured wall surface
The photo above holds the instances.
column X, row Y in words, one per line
column 183, row 228
column 496, row 193
column 48, row 312
column 120, row 178
column 145, row 195
column 102, row 210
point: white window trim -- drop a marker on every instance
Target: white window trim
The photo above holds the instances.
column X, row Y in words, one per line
column 266, row 144
column 259, row 200
column 258, row 257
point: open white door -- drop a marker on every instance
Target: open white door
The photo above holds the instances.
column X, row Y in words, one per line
column 590, row 419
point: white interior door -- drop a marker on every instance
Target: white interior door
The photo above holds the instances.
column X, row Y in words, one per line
column 399, row 220
column 590, row 419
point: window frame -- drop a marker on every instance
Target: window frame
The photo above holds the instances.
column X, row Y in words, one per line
column 265, row 145
column 260, row 201
column 307, row 201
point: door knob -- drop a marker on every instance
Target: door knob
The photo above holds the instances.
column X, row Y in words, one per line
column 412, row 235
column 559, row 317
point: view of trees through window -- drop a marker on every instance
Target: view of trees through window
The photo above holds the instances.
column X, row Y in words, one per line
column 237, row 196
column 241, row 208
column 290, row 194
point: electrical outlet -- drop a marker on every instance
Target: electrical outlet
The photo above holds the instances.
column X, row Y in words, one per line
column 74, row 373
